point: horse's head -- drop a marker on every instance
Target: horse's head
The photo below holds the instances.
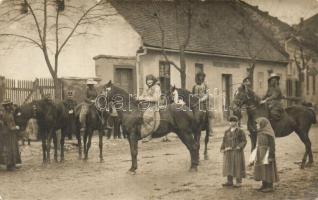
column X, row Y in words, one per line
column 117, row 96
column 243, row 96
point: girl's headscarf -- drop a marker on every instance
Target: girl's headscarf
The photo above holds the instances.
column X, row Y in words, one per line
column 265, row 126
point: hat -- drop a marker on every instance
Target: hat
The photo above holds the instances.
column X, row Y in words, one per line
column 91, row 82
column 273, row 75
column 233, row 118
column 7, row 101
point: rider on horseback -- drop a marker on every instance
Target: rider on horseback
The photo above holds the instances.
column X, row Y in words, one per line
column 273, row 97
column 151, row 95
column 91, row 94
column 201, row 90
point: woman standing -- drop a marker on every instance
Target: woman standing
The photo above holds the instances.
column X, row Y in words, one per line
column 265, row 169
column 9, row 149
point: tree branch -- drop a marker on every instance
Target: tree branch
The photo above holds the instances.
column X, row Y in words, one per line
column 23, row 37
column 77, row 24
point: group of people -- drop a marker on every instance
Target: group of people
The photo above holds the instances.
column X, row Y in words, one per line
column 263, row 156
column 264, row 162
column 232, row 146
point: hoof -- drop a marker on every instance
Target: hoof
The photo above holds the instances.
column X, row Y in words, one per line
column 101, row 160
column 206, row 157
column 62, row 160
column 193, row 169
column 131, row 172
column 309, row 164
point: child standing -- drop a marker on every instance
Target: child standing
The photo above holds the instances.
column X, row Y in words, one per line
column 233, row 144
column 265, row 169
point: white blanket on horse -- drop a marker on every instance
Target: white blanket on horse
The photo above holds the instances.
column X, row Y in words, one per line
column 151, row 122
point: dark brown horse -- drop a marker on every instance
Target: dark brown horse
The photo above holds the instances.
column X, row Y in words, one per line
column 50, row 118
column 96, row 120
column 296, row 118
column 172, row 120
column 200, row 116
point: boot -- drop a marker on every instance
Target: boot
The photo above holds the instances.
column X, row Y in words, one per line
column 269, row 188
column 264, row 185
column 229, row 182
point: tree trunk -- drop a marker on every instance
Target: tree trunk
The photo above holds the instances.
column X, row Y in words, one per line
column 183, row 68
column 57, row 88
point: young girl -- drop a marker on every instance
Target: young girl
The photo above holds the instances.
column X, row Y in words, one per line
column 265, row 169
column 233, row 145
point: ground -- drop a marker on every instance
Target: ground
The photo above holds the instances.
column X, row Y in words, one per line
column 162, row 173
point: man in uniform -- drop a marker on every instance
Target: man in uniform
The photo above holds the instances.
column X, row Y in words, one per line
column 70, row 105
column 201, row 91
column 273, row 97
column 91, row 94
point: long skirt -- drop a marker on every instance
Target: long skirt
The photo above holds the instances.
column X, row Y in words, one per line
column 267, row 173
column 234, row 164
column 9, row 148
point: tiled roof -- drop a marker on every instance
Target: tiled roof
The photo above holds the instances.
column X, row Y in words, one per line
column 217, row 28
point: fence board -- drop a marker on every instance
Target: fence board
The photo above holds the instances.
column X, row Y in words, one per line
column 21, row 91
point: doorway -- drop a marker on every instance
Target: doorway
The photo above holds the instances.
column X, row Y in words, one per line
column 227, row 94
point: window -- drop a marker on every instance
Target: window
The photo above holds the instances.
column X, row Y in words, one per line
column 260, row 79
column 164, row 76
column 199, row 68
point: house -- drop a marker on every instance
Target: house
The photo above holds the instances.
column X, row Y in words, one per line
column 300, row 43
column 216, row 46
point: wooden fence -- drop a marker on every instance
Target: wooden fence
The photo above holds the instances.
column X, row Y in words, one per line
column 24, row 91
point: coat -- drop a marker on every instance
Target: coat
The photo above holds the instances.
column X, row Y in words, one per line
column 233, row 159
column 9, row 148
column 265, row 142
column 202, row 92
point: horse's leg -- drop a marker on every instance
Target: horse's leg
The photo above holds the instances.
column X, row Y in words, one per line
column 62, row 142
column 197, row 141
column 44, row 147
column 54, row 136
column 89, row 142
column 206, row 142
column 79, row 140
column 303, row 135
column 133, row 143
column 190, row 143
column 48, row 146
column 101, row 133
column 85, row 144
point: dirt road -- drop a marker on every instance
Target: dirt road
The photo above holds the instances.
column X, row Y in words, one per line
column 162, row 174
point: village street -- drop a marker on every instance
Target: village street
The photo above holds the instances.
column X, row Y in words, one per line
column 162, row 174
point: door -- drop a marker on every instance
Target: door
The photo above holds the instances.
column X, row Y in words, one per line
column 227, row 94
column 124, row 79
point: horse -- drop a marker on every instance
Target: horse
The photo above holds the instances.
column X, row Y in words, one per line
column 50, row 118
column 96, row 119
column 201, row 116
column 172, row 120
column 297, row 118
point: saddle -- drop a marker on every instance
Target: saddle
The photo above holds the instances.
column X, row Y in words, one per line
column 150, row 121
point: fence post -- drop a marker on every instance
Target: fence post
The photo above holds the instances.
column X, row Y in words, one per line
column 2, row 88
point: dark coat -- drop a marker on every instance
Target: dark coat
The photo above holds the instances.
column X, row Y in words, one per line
column 234, row 160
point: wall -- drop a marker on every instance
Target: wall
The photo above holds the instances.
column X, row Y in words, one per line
column 214, row 68
column 105, row 67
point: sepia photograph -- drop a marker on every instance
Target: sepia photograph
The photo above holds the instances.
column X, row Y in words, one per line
column 158, row 99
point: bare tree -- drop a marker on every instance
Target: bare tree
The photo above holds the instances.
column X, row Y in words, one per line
column 50, row 25
column 183, row 15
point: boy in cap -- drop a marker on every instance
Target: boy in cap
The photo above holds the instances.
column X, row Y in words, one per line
column 233, row 144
